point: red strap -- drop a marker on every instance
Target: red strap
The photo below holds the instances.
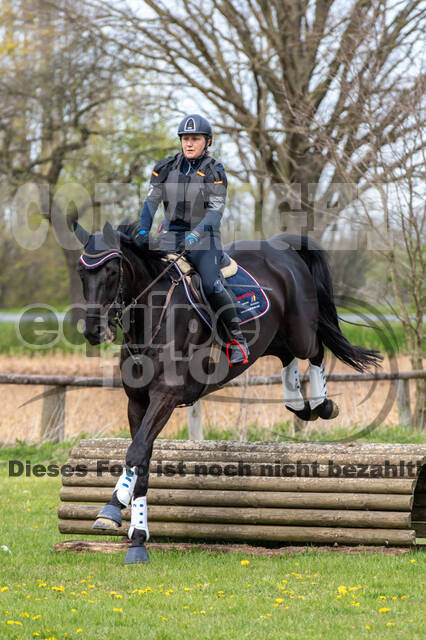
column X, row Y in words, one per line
column 245, row 361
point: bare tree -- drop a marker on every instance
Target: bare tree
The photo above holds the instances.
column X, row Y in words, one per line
column 68, row 112
column 294, row 81
column 398, row 223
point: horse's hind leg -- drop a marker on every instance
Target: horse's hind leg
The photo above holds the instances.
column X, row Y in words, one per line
column 293, row 398
column 320, row 405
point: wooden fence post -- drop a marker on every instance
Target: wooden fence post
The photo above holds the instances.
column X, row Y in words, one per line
column 403, row 401
column 195, row 425
column 298, row 424
column 52, row 426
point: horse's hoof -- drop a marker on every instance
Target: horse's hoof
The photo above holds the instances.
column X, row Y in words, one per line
column 305, row 414
column 327, row 410
column 108, row 518
column 136, row 555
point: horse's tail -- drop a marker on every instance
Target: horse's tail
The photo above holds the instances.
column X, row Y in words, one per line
column 328, row 328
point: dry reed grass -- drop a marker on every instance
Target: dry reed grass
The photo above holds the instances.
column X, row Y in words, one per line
column 104, row 411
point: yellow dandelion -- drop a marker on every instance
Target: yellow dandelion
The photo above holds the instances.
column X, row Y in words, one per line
column 382, row 598
column 394, row 597
column 243, row 563
column 91, row 601
column 412, row 561
column 90, row 586
column 384, row 609
column 73, row 610
column 390, row 624
column 118, row 596
column 202, row 612
column 25, row 614
column 342, row 589
column 404, row 597
column 164, row 619
column 367, row 627
column 4, row 589
column 187, row 588
column 79, row 631
column 118, row 609
column 279, row 600
column 186, row 606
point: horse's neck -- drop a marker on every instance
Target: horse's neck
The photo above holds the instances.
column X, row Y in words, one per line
column 142, row 277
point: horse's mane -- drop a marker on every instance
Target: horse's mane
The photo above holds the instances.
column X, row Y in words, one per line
column 151, row 256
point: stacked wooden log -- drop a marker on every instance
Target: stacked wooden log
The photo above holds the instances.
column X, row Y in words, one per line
column 258, row 491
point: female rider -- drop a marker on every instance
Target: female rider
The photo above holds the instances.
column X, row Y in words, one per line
column 192, row 186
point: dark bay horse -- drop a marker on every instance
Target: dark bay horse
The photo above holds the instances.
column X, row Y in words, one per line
column 166, row 345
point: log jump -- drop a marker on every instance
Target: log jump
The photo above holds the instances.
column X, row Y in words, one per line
column 258, row 492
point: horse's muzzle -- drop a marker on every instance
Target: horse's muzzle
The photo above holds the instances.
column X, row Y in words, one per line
column 98, row 330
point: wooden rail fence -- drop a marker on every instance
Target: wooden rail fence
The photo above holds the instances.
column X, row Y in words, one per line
column 52, row 426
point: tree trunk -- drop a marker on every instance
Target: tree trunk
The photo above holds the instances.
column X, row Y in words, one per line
column 76, row 290
column 419, row 413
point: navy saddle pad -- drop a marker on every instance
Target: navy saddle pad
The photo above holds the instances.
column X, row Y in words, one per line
column 252, row 300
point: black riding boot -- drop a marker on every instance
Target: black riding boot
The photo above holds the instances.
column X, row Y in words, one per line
column 223, row 305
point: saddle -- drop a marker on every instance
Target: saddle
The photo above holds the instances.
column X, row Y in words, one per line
column 252, row 301
column 228, row 268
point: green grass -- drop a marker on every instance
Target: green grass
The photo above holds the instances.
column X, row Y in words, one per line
column 197, row 594
column 29, row 339
column 389, row 338
column 33, row 339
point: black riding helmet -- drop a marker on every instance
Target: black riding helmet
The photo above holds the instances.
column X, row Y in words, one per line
column 196, row 124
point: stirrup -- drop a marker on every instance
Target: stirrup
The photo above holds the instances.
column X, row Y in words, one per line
column 235, row 353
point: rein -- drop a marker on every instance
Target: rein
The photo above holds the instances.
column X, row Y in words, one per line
column 118, row 319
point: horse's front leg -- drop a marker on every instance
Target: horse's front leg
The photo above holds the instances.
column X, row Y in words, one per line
column 110, row 515
column 138, row 457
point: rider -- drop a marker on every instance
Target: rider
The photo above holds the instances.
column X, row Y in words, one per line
column 192, row 186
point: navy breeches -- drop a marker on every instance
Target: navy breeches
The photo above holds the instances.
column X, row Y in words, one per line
column 205, row 256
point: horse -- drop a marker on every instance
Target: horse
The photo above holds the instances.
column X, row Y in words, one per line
column 121, row 282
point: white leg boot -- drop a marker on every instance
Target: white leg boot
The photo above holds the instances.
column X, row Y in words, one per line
column 139, row 516
column 317, row 381
column 126, row 485
column 291, row 386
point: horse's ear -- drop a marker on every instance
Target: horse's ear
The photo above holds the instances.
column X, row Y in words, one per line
column 81, row 234
column 111, row 237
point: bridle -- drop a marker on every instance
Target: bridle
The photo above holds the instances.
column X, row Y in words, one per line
column 121, row 309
